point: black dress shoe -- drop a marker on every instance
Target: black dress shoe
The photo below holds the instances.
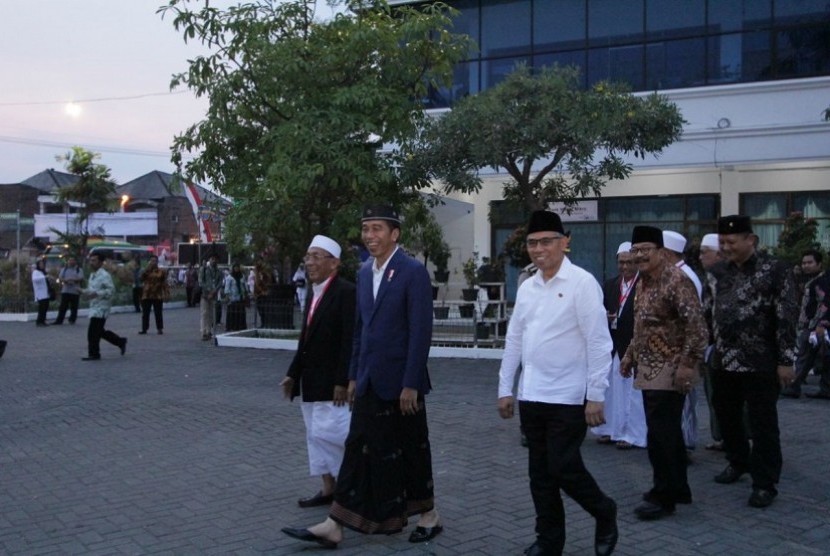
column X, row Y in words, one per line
column 761, row 498
column 91, row 358
column 123, row 346
column 652, row 511
column 424, row 534
column 729, row 475
column 316, row 500
column 606, row 534
column 538, row 550
column 308, row 536
column 142, row 332
column 682, row 498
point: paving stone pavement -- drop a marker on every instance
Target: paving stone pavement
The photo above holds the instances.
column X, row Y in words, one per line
column 180, row 447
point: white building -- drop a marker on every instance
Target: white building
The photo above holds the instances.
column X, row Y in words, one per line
column 751, row 78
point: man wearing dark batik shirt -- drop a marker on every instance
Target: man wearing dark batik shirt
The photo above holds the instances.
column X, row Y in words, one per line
column 814, row 324
column 751, row 305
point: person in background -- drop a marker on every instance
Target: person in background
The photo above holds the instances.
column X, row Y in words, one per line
column 70, row 278
column 210, row 282
column 299, row 280
column 191, row 282
column 709, row 256
column 154, row 291
column 674, row 245
column 805, row 352
column 100, row 291
column 263, row 279
column 236, row 295
column 138, row 289
column 624, row 413
column 40, row 286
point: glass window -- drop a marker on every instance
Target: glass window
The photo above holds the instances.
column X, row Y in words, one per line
column 615, row 21
column 675, row 64
column 618, row 64
column 789, row 12
column 494, row 71
column 505, row 28
column 644, row 210
column 702, row 207
column 675, row 18
column 739, row 15
column 467, row 21
column 764, row 206
column 725, row 58
column 574, row 58
column 803, row 51
column 756, row 56
column 464, row 83
column 587, row 246
column 558, row 25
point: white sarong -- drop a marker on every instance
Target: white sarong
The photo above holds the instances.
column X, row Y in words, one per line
column 326, row 429
column 625, row 418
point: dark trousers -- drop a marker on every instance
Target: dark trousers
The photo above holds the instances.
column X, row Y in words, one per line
column 759, row 390
column 189, row 293
column 146, row 305
column 137, row 298
column 666, row 449
column 805, row 361
column 554, row 435
column 42, row 308
column 68, row 301
column 96, row 332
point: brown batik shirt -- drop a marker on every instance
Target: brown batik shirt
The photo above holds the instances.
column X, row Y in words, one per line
column 669, row 329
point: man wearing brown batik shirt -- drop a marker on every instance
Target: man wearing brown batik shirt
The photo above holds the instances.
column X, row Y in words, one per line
column 670, row 336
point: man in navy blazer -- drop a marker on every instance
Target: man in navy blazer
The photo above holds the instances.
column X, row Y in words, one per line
column 386, row 474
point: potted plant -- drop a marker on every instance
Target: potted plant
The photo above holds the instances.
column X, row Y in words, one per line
column 470, row 271
column 441, row 258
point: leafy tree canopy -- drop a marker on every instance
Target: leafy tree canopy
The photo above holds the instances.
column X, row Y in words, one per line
column 799, row 234
column 94, row 192
column 556, row 141
column 298, row 109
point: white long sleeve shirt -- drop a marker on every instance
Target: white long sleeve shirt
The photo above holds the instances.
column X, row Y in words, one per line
column 559, row 334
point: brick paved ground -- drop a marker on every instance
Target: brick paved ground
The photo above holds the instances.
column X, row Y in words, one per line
column 181, row 447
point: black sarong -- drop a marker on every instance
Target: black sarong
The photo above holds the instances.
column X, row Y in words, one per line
column 386, row 474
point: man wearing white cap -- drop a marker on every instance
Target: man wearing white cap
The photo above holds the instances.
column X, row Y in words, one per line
column 710, row 255
column 320, row 369
column 710, row 251
column 673, row 246
column 624, row 413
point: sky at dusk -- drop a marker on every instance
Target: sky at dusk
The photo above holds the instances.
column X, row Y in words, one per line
column 114, row 59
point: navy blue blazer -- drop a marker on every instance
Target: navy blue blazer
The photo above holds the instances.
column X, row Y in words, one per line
column 393, row 332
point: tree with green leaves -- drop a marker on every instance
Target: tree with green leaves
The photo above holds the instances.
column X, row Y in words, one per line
column 799, row 235
column 555, row 141
column 299, row 109
column 93, row 192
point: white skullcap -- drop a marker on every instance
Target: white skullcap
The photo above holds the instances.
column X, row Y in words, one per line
column 326, row 243
column 673, row 241
column 624, row 247
column 711, row 241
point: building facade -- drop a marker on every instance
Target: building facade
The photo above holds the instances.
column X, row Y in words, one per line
column 751, row 78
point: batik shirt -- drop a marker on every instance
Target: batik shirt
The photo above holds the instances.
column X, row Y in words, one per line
column 669, row 329
column 815, row 310
column 101, row 283
column 752, row 311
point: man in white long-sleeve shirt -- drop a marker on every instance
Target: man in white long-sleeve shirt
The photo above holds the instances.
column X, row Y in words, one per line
column 559, row 334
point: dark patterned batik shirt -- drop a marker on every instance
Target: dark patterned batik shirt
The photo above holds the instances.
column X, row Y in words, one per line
column 752, row 310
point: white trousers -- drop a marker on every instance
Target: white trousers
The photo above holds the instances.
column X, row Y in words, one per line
column 326, row 428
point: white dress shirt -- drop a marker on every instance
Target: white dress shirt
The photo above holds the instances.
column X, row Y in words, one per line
column 559, row 334
column 378, row 272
